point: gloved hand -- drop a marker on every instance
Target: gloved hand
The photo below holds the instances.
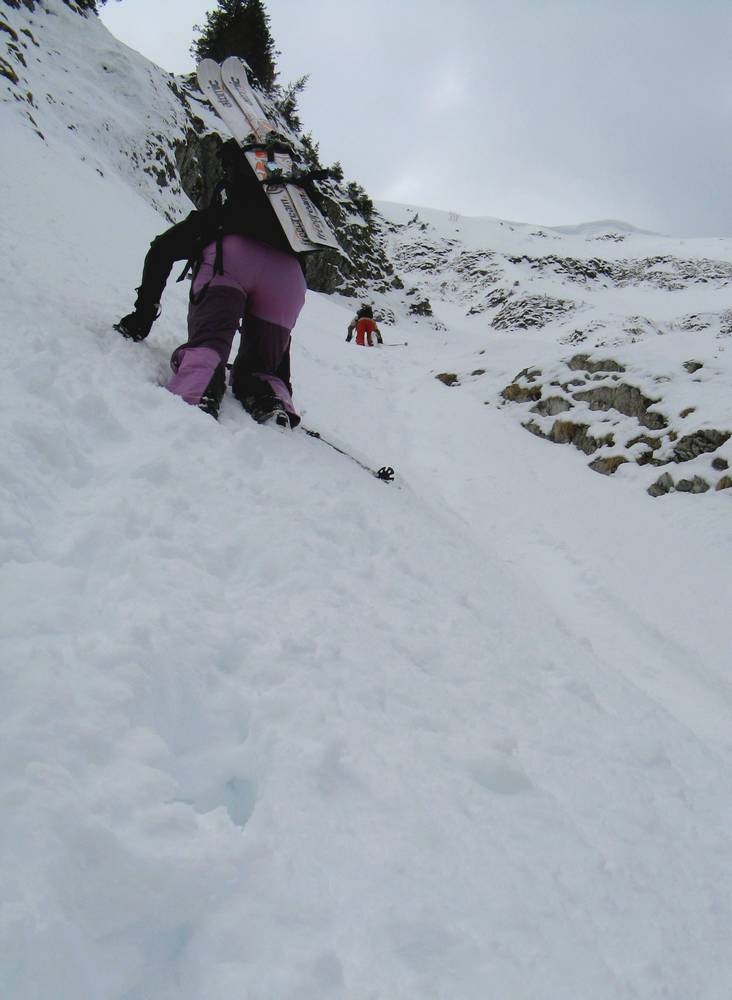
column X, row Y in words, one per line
column 137, row 325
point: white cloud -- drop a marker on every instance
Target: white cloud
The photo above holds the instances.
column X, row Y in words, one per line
column 561, row 111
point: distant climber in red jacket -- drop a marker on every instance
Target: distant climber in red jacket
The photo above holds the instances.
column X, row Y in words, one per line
column 364, row 326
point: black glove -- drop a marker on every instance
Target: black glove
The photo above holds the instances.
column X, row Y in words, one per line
column 136, row 325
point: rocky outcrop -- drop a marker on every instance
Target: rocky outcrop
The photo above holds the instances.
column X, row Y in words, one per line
column 601, row 385
column 626, row 399
column 608, row 465
column 550, row 406
column 532, row 311
column 663, row 485
column 699, row 443
column 569, row 432
column 584, row 363
column 525, row 387
column 693, row 366
column 694, row 485
column 666, row 272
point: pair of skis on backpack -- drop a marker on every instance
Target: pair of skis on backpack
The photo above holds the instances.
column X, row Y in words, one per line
column 227, row 89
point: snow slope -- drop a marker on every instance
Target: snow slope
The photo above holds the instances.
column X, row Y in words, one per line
column 274, row 729
column 620, row 337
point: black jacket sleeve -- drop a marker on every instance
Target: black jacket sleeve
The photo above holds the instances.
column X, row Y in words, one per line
column 183, row 241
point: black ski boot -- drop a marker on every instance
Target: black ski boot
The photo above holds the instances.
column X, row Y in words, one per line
column 257, row 399
column 210, row 401
column 267, row 410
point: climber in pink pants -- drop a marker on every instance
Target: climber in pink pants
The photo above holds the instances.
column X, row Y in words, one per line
column 246, row 278
column 263, row 290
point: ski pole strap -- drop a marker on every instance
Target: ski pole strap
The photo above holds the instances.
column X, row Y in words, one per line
column 184, row 273
column 219, row 261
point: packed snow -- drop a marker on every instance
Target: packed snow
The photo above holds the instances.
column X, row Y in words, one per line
column 274, row 729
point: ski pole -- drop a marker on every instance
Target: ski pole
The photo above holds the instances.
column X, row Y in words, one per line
column 385, row 473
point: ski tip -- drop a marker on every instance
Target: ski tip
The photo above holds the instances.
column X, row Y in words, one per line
column 235, row 62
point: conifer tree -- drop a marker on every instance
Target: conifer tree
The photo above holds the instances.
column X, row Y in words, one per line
column 82, row 5
column 239, row 28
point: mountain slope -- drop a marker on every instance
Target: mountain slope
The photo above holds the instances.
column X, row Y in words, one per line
column 272, row 728
column 625, row 336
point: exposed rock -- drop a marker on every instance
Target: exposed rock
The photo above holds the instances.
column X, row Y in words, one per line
column 695, row 485
column 664, row 484
column 516, row 393
column 687, row 412
column 699, row 443
column 626, row 399
column 720, row 464
column 421, row 308
column 693, row 323
column 607, row 466
column 568, row 432
column 551, row 406
column 575, row 337
column 199, row 166
column 8, row 72
column 530, row 374
column 671, row 273
column 582, row 362
column 479, row 266
column 693, row 366
column 498, row 297
column 724, row 483
column 11, row 31
column 532, row 311
column 449, row 378
column 652, row 442
column 638, row 327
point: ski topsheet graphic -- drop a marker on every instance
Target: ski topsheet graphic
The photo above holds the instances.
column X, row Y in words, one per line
column 227, row 89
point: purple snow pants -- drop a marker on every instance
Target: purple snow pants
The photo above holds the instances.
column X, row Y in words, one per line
column 263, row 287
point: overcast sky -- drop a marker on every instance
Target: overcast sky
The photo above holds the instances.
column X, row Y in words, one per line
column 544, row 111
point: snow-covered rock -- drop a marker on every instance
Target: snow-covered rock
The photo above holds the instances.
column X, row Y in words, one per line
column 644, row 307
